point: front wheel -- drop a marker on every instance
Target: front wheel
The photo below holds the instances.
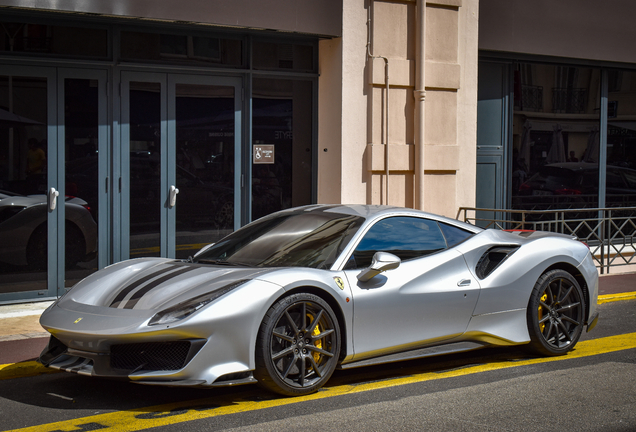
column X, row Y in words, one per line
column 298, row 345
column 555, row 313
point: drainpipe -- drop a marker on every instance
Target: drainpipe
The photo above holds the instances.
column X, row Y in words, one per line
column 386, row 102
column 420, row 94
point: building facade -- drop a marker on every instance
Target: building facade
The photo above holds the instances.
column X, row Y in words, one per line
column 557, row 105
column 152, row 128
column 135, row 128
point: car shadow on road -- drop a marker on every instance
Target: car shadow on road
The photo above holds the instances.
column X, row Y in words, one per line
column 65, row 391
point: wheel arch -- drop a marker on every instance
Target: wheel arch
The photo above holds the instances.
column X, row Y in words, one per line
column 335, row 306
column 576, row 274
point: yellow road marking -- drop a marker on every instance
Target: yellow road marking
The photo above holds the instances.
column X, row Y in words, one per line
column 23, row 369
column 162, row 415
column 606, row 298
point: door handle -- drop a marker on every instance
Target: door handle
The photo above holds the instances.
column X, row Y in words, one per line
column 52, row 198
column 463, row 283
column 172, row 198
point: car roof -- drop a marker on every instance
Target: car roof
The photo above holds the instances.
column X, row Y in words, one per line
column 375, row 212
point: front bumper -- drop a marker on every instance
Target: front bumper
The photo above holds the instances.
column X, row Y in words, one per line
column 122, row 360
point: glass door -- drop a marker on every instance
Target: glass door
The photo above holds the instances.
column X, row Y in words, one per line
column 82, row 166
column 27, row 171
column 180, row 147
column 53, row 181
column 205, row 161
column 143, row 153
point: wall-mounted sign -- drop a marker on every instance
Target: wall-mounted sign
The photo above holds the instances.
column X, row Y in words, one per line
column 263, row 154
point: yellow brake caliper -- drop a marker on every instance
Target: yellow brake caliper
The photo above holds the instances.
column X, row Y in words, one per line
column 543, row 299
column 318, row 343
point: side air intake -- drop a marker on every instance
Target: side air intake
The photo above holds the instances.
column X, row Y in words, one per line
column 492, row 259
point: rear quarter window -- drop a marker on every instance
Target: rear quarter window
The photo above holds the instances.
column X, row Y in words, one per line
column 453, row 234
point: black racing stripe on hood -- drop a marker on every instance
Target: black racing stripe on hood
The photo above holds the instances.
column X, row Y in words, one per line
column 139, row 294
column 122, row 295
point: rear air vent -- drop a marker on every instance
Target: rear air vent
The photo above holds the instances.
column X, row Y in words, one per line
column 493, row 259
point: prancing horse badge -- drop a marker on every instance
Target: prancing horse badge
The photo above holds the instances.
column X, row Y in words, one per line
column 339, row 282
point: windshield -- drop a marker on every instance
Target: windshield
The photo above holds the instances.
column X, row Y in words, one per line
column 286, row 239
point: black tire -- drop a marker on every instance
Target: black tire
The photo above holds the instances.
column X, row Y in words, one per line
column 556, row 313
column 298, row 345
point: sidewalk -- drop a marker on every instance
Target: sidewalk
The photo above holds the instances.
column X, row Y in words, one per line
column 21, row 321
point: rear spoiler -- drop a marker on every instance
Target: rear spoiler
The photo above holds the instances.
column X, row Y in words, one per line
column 531, row 234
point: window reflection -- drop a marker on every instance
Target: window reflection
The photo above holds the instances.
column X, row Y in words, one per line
column 53, row 39
column 621, row 139
column 282, row 56
column 555, row 137
column 180, row 48
column 23, row 167
column 282, row 124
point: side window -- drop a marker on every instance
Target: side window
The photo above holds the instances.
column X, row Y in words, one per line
column 405, row 237
column 453, row 234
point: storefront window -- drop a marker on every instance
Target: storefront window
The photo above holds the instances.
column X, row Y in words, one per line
column 180, row 48
column 555, row 160
column 621, row 139
column 281, row 151
column 281, row 56
column 44, row 39
column 23, row 168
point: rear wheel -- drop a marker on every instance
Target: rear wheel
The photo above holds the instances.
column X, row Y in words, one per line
column 555, row 313
column 298, row 345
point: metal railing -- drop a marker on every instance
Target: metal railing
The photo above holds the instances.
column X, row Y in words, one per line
column 609, row 232
column 569, row 100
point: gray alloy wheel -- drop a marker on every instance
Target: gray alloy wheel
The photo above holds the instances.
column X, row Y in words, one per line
column 298, row 345
column 556, row 313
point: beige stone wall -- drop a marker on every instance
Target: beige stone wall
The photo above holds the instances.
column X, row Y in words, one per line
column 353, row 168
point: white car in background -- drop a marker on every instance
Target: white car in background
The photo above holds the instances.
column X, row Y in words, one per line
column 23, row 230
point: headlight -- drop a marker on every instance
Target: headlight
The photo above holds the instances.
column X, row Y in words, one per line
column 188, row 307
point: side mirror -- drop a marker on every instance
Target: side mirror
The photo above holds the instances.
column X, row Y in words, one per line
column 382, row 261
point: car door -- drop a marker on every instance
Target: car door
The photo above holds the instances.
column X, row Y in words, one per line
column 430, row 297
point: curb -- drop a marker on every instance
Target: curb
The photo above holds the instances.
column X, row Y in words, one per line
column 616, row 297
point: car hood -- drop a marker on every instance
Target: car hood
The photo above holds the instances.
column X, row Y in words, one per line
column 154, row 283
column 21, row 201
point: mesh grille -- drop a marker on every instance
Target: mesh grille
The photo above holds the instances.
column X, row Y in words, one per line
column 153, row 356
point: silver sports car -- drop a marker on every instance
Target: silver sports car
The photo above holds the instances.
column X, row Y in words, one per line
column 289, row 298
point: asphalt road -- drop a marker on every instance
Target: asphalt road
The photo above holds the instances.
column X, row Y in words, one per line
column 591, row 389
